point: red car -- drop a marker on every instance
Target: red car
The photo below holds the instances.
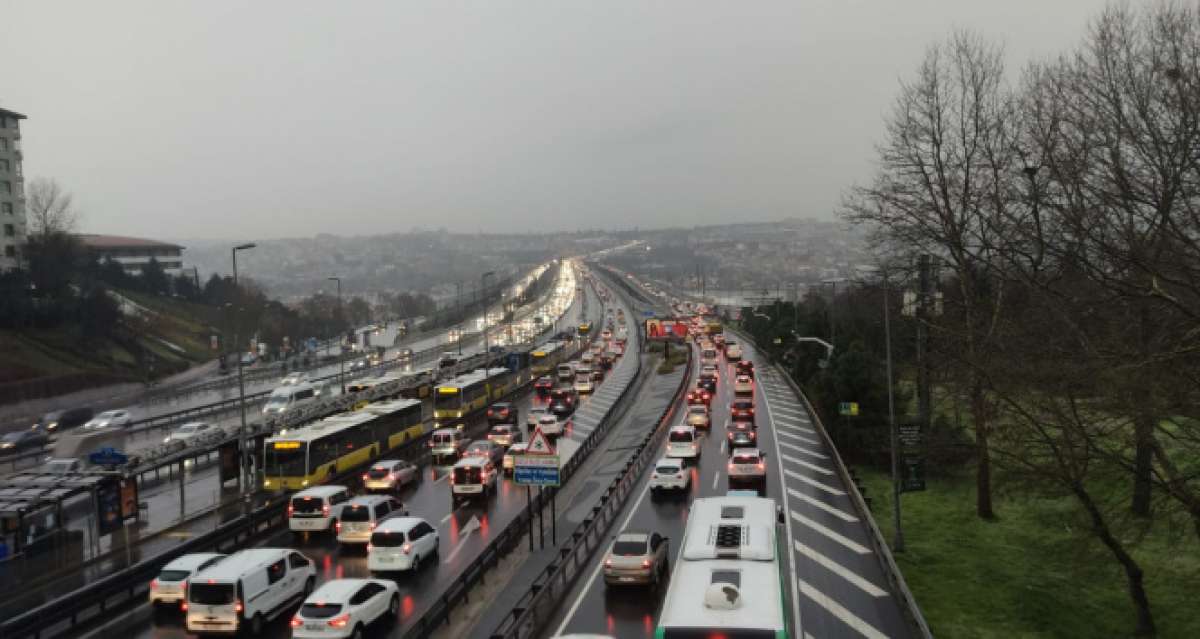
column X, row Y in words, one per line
column 543, row 385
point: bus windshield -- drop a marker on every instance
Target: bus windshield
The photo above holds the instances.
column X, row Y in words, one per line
column 448, row 398
column 285, row 459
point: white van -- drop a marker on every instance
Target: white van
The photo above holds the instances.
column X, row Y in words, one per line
column 362, row 515
column 708, row 355
column 171, row 583
column 317, row 508
column 682, row 442
column 473, row 477
column 401, row 543
column 566, row 373
column 446, row 442
column 251, row 587
column 289, row 398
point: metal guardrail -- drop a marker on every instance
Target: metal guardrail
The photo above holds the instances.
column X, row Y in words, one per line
column 508, row 538
column 540, row 603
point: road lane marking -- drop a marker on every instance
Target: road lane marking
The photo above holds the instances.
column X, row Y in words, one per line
column 723, row 446
column 799, row 413
column 787, row 522
column 837, row 610
column 832, row 534
column 796, row 460
column 471, row 526
column 716, row 479
column 823, row 506
column 802, row 438
column 840, row 570
column 811, row 453
column 814, row 483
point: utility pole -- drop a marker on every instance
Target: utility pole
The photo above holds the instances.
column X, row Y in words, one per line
column 458, row 311
column 487, row 353
column 341, row 336
column 242, row 445
column 923, row 295
column 898, row 540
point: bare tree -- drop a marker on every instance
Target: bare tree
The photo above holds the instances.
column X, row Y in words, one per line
column 943, row 175
column 49, row 208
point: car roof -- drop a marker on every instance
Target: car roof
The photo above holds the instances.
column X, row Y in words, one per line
column 243, row 562
column 398, row 524
column 746, row 450
column 679, row 427
column 669, row 461
column 388, row 462
column 339, row 590
column 471, row 461
column 320, row 491
column 367, row 500
column 192, row 561
column 633, row 535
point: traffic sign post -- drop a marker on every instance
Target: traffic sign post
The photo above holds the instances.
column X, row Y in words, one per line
column 539, row 466
column 848, row 409
column 913, row 456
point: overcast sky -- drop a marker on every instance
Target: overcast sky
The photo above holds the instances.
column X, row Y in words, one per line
column 185, row 119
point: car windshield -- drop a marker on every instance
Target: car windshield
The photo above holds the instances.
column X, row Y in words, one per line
column 698, row 410
column 190, row 428
column 319, row 610
column 629, row 548
column 211, row 594
column 107, row 415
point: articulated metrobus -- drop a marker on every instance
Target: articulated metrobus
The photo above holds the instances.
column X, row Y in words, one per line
column 728, row 579
column 546, row 357
column 470, row 392
column 312, row 454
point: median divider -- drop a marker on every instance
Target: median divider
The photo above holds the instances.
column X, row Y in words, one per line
column 540, row 603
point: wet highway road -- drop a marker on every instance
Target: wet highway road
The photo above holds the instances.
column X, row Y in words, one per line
column 836, row 586
column 461, row 541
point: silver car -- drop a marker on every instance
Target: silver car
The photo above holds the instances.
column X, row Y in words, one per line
column 636, row 558
column 390, row 474
column 698, row 416
column 748, row 465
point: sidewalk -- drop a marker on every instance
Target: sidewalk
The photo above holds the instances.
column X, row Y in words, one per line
column 24, row 414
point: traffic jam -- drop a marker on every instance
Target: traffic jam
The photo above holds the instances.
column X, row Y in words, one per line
column 359, row 556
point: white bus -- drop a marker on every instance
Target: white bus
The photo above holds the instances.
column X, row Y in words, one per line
column 728, row 579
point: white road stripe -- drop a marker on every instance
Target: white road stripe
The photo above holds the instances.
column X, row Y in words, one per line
column 794, row 460
column 832, row 534
column 837, row 610
column 822, row 505
column 810, row 453
column 799, row 412
column 723, row 442
column 797, row 622
column 807, row 440
column 716, row 479
column 840, row 570
column 794, row 423
column 799, row 448
column 812, row 482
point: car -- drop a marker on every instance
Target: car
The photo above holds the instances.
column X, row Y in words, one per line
column 390, row 475
column 361, row 515
column 733, row 352
column 742, row 409
column 504, row 434
column 502, row 413
column 636, row 557
column 186, row 433
column 606, row 334
column 404, row 355
column 743, row 385
column 741, row 439
column 346, row 608
column 710, row 370
column 598, row 374
column 294, row 379
column 109, row 419
column 587, row 358
column 358, row 364
column 170, row 585
column 699, row 396
column 747, row 465
column 553, row 425
column 543, row 385
column 669, row 474
column 510, row 456
column 60, row 420
column 740, row 427
column 535, row 413
column 473, row 476
column 487, row 449
column 401, row 543
column 217, row 600
column 584, row 385
column 682, row 441
column 446, row 442
column 745, row 367
column 562, row 401
column 317, row 508
column 23, row 440
column 698, row 416
column 707, row 382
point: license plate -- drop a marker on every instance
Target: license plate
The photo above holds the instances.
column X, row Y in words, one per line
column 387, row 560
column 315, row 627
column 627, row 579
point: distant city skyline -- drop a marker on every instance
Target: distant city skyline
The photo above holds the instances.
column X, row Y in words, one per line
column 268, row 119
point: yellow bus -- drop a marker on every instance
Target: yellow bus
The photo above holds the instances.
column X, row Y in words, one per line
column 470, row 392
column 315, row 453
column 544, row 359
column 585, row 328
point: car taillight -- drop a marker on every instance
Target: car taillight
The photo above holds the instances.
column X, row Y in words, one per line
column 296, row 622
column 392, row 476
column 237, row 606
column 406, row 548
column 369, row 547
column 365, row 477
column 153, row 584
column 337, row 525
column 730, row 465
column 290, row 510
column 372, row 524
column 325, row 509
column 645, row 563
column 608, row 563
column 762, row 466
column 340, row 622
column 183, row 606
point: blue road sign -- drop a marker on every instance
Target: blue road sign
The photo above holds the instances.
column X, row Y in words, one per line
column 647, row 313
column 108, row 457
column 536, row 470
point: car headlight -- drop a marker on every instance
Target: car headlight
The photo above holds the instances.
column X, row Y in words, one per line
column 52, row 425
column 167, row 440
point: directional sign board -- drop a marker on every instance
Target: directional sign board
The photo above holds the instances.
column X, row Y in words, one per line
column 912, row 450
column 848, row 409
column 536, row 470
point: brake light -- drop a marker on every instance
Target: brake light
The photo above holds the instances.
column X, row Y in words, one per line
column 762, row 466
column 730, row 465
column 392, row 476
column 369, row 546
column 290, row 510
column 608, row 563
column 153, row 584
column 365, row 477
column 340, row 622
column 645, row 563
column 183, row 606
column 406, row 548
column 337, row 525
column 372, row 525
column 325, row 509
column 296, row 623
column 237, row 606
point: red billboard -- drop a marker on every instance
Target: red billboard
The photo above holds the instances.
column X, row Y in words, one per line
column 661, row 330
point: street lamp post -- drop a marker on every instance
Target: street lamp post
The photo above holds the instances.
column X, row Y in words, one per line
column 341, row 351
column 898, row 540
column 242, row 445
column 487, row 353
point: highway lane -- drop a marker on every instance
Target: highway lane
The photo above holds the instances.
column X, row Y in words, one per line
column 464, row 531
column 836, row 586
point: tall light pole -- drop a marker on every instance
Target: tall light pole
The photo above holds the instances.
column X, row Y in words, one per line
column 898, row 540
column 342, row 351
column 487, row 353
column 833, row 307
column 242, row 446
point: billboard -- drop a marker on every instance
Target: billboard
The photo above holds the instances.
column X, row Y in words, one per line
column 661, row 330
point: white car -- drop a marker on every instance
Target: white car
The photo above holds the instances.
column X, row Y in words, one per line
column 109, row 418
column 743, row 385
column 401, row 543
column 584, row 385
column 587, row 358
column 747, row 465
column 294, row 379
column 733, row 352
column 345, row 608
column 390, row 474
column 535, row 415
column 669, row 474
column 184, row 434
column 170, row 586
column 551, row 426
column 683, row 442
column 510, row 456
column 710, row 369
column 698, row 416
